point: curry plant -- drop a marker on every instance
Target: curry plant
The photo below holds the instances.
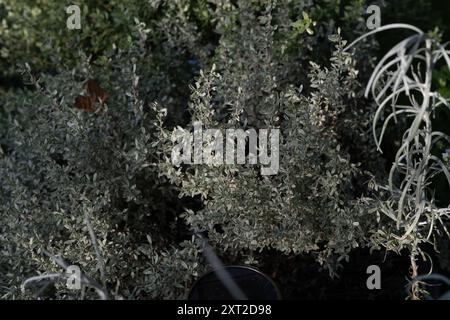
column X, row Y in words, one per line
column 402, row 87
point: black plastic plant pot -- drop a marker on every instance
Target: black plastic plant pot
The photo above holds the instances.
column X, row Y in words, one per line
column 254, row 285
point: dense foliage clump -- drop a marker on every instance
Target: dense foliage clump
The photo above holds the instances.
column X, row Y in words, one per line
column 312, row 204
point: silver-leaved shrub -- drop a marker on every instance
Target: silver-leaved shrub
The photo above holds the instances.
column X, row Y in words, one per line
column 81, row 187
column 313, row 204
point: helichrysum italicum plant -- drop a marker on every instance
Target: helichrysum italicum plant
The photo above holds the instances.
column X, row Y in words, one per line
column 402, row 86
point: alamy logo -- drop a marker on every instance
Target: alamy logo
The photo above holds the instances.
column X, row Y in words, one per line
column 234, row 146
column 74, row 20
column 374, row 20
column 73, row 274
column 374, row 280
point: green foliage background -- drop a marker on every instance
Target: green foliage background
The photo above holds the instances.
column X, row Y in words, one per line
column 168, row 63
